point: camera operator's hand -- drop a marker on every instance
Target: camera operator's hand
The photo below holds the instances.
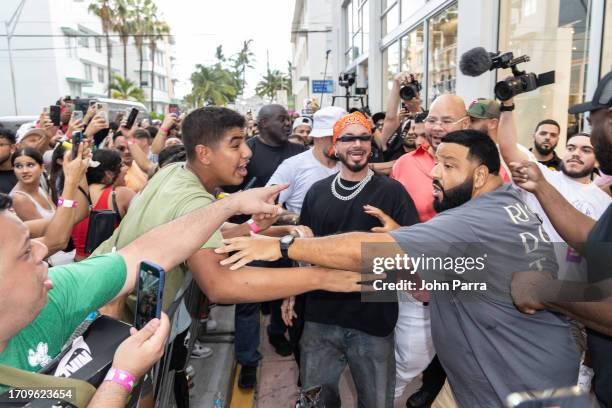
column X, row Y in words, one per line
column 143, row 348
column 91, row 112
column 403, row 78
column 75, row 169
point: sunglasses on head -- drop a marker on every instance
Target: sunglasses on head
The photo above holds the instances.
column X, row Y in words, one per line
column 353, row 138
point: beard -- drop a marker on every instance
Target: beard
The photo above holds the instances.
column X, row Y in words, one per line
column 453, row 197
column 603, row 150
column 354, row 167
column 576, row 174
column 544, row 151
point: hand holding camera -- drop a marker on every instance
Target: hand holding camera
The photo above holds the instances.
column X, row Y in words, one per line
column 409, row 89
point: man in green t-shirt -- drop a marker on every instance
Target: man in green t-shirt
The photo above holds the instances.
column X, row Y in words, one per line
column 36, row 321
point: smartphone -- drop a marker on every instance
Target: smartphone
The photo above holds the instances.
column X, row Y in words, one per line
column 131, row 118
column 102, row 110
column 55, row 112
column 151, row 278
column 173, row 108
column 77, row 137
column 77, row 115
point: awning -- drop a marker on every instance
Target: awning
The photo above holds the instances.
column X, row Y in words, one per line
column 83, row 82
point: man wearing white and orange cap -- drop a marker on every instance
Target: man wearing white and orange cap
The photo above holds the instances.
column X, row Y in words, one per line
column 303, row 170
column 339, row 328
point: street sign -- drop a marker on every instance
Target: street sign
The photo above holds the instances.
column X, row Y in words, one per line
column 322, row 86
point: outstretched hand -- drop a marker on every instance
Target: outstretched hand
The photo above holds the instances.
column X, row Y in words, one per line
column 388, row 223
column 259, row 201
column 527, row 175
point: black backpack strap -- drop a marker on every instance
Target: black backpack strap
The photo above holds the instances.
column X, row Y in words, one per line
column 114, row 201
column 86, row 194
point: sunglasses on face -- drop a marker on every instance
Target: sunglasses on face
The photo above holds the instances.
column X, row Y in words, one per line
column 353, row 138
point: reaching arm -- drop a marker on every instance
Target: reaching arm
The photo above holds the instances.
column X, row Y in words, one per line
column 573, row 226
column 198, row 226
column 159, row 142
column 248, row 284
column 506, row 138
column 341, row 251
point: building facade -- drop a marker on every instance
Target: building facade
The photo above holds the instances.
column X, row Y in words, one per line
column 376, row 39
column 58, row 49
column 311, row 38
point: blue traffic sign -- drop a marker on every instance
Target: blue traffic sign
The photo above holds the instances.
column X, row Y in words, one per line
column 322, row 86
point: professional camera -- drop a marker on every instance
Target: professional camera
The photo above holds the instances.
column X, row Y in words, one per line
column 347, row 80
column 477, row 61
column 409, row 90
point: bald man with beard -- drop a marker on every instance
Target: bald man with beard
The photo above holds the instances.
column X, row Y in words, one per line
column 413, row 345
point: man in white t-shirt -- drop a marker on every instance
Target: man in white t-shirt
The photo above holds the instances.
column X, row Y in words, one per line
column 303, row 170
column 573, row 182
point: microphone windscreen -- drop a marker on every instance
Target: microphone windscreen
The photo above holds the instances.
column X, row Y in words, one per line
column 475, row 62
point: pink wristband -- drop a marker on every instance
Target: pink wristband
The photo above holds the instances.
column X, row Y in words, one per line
column 62, row 202
column 253, row 226
column 163, row 129
column 123, row 378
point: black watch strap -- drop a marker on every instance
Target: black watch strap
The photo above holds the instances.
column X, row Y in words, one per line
column 285, row 243
column 506, row 108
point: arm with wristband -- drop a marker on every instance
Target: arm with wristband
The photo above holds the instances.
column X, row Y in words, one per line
column 160, row 139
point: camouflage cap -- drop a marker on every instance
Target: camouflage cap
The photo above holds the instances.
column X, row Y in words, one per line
column 482, row 108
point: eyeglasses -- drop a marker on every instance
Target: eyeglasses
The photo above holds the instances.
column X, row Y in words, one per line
column 5, row 144
column 443, row 122
column 353, row 138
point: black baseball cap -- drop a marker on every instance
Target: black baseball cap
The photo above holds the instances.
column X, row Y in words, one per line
column 602, row 98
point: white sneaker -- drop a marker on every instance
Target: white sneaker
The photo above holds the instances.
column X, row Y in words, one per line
column 201, row 351
column 585, row 376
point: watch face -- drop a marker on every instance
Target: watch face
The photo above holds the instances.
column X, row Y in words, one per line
column 287, row 239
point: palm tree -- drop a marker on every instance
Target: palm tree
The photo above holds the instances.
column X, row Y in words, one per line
column 158, row 30
column 212, row 85
column 123, row 25
column 123, row 88
column 241, row 62
column 143, row 10
column 102, row 9
column 273, row 81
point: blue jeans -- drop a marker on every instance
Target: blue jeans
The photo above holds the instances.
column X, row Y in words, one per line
column 247, row 326
column 327, row 349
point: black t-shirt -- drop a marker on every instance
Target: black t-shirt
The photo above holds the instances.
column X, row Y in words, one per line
column 265, row 161
column 598, row 250
column 327, row 215
column 553, row 164
column 7, row 181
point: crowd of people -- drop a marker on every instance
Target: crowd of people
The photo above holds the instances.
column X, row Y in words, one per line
column 283, row 213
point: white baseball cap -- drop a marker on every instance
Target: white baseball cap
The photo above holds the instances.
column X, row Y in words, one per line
column 324, row 120
column 302, row 120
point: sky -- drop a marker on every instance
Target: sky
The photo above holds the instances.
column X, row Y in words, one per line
column 199, row 26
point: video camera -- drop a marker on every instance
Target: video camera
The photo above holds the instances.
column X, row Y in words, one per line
column 346, row 80
column 477, row 61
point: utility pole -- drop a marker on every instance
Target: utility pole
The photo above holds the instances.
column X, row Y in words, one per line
column 10, row 30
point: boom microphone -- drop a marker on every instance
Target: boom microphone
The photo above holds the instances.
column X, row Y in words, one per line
column 476, row 62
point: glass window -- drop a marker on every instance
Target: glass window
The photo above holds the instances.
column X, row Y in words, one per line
column 98, row 41
column 83, row 39
column 412, row 51
column 606, row 50
column 555, row 34
column 442, row 53
column 88, row 72
column 390, row 20
column 409, row 7
column 101, row 75
column 365, row 26
column 391, row 67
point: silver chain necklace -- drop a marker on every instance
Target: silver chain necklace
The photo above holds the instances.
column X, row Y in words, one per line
column 357, row 187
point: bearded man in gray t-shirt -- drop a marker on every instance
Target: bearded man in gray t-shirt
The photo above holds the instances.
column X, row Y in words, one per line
column 466, row 257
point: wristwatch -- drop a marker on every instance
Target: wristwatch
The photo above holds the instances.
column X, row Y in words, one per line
column 506, row 108
column 285, row 243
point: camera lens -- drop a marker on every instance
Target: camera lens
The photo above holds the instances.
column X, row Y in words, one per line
column 407, row 92
column 505, row 90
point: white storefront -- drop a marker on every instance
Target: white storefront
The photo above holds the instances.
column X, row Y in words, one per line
column 378, row 38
